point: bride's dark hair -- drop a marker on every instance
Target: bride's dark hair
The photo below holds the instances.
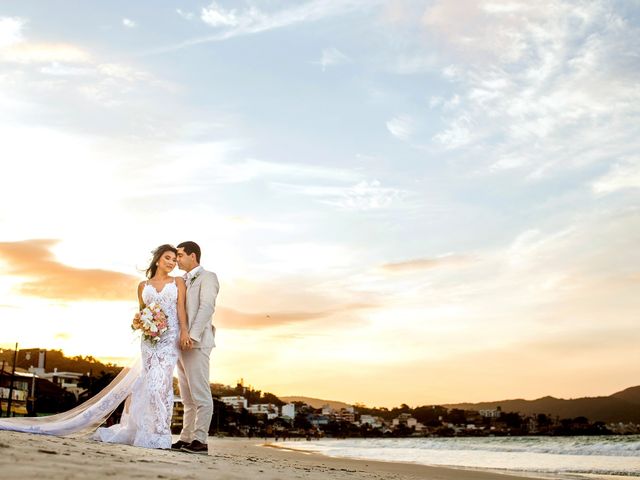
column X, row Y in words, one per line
column 157, row 253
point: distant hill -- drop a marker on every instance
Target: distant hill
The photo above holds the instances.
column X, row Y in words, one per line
column 316, row 402
column 56, row 359
column 622, row 406
column 631, row 394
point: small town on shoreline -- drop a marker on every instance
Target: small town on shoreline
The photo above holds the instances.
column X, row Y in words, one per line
column 29, row 390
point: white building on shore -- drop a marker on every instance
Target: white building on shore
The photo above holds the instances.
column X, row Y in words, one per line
column 374, row 422
column 268, row 409
column 491, row 413
column 237, row 402
column 67, row 380
column 288, row 411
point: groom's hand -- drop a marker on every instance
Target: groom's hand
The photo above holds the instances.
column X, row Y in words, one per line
column 185, row 341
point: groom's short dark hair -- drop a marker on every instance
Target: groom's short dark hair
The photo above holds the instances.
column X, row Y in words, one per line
column 191, row 247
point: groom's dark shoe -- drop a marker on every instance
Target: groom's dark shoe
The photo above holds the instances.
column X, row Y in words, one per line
column 178, row 445
column 196, row 447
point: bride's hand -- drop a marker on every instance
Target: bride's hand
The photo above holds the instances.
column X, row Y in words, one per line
column 185, row 340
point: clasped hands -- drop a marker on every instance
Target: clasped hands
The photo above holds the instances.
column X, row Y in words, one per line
column 185, row 340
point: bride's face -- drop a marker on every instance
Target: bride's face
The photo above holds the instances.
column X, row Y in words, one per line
column 167, row 262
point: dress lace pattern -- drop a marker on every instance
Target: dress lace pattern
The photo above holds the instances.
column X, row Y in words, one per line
column 147, row 418
column 147, row 387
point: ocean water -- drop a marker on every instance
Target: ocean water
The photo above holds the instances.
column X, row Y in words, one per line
column 557, row 457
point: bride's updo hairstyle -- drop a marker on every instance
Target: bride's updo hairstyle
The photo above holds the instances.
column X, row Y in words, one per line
column 157, row 253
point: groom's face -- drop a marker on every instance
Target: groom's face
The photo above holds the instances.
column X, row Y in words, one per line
column 186, row 262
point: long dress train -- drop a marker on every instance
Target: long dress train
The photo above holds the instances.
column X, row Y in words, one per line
column 147, row 386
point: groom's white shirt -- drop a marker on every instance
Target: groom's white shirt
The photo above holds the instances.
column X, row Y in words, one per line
column 192, row 273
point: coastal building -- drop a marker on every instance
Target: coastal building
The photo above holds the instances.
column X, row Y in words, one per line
column 407, row 420
column 327, row 410
column 473, row 416
column 374, row 422
column 67, row 380
column 268, row 409
column 288, row 411
column 402, row 419
column 495, row 413
column 19, row 393
column 367, row 419
column 237, row 402
column 346, row 415
column 29, row 357
column 317, row 420
column 622, row 428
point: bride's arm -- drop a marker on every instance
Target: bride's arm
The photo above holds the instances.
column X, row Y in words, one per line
column 140, row 301
column 185, row 340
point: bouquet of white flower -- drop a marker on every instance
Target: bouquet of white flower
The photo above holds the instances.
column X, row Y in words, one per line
column 151, row 321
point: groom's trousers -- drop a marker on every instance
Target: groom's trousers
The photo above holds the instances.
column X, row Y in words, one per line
column 193, row 378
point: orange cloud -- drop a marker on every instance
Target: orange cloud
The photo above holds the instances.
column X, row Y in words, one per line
column 49, row 278
column 426, row 263
column 234, row 319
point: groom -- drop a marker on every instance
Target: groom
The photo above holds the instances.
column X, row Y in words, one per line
column 193, row 364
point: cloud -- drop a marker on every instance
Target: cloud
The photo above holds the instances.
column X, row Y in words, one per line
column 542, row 87
column 623, row 175
column 74, row 69
column 457, row 134
column 216, row 16
column 238, row 320
column 419, row 264
column 401, row 127
column 254, row 20
column 11, row 30
column 129, row 23
column 469, row 27
column 58, row 69
column 362, row 196
column 332, row 56
column 28, row 52
column 15, row 48
column 218, row 162
column 42, row 276
column 251, row 20
column 235, row 319
column 185, row 15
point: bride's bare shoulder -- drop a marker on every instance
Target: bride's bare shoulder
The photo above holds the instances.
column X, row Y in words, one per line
column 179, row 280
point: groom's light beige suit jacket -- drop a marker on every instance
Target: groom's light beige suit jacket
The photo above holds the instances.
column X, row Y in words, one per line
column 201, row 305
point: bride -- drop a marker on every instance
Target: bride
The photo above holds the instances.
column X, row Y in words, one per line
column 147, row 385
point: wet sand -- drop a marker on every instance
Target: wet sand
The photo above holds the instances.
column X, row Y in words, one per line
column 24, row 456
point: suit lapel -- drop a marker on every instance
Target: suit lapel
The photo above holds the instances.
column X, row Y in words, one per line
column 195, row 281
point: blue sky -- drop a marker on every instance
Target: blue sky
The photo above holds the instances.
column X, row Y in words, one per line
column 396, row 195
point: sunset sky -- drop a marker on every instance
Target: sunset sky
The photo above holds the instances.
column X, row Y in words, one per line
column 405, row 201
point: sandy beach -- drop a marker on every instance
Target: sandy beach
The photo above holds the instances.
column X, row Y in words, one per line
column 38, row 456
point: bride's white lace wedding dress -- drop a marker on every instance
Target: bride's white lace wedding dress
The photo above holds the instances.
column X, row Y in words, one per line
column 147, row 387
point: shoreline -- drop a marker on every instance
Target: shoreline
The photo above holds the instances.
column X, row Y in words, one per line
column 24, row 455
column 503, row 474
